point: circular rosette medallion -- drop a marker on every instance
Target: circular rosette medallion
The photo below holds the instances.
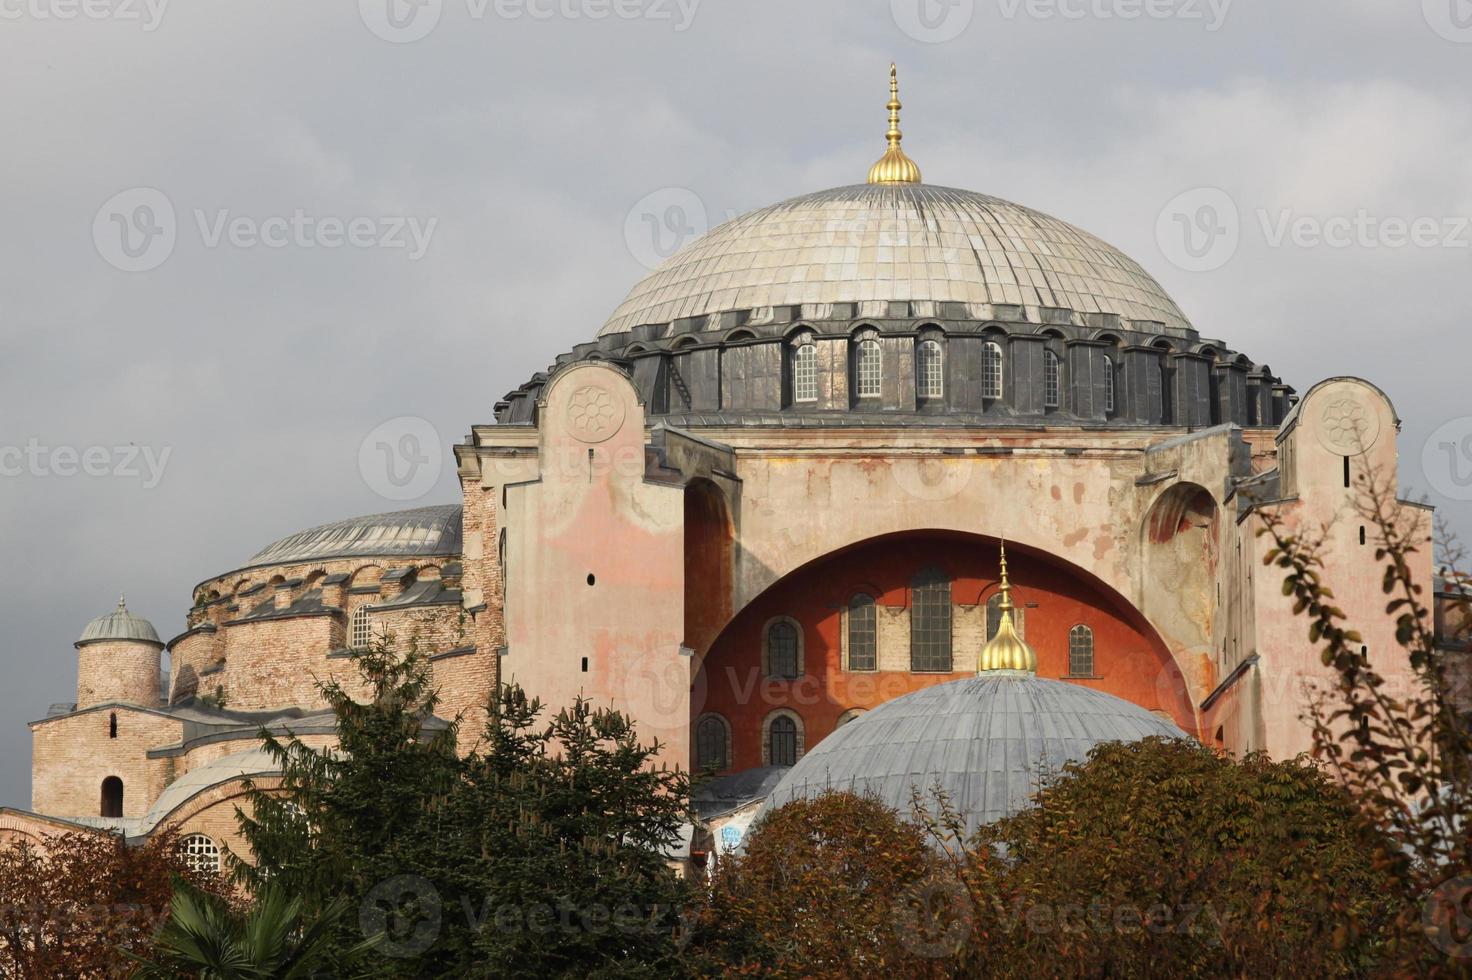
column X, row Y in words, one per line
column 594, row 414
column 1348, row 426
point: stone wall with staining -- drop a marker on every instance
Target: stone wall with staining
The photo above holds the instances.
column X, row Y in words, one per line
column 1339, row 448
column 594, row 601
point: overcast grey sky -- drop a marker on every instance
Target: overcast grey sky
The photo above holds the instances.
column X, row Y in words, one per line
column 525, row 141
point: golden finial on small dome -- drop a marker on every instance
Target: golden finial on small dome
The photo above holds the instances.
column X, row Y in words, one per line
column 1006, row 650
column 894, row 167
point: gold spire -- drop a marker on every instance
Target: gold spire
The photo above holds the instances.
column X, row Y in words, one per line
column 1006, row 650
column 894, row 167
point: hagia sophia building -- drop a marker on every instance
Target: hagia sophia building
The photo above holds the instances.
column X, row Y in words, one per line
column 769, row 496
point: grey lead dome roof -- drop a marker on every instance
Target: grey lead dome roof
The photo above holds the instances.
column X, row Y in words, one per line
column 989, row 740
column 421, row 531
column 897, row 242
column 119, row 625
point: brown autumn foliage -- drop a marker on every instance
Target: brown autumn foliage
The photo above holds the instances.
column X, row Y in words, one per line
column 68, row 910
column 820, row 892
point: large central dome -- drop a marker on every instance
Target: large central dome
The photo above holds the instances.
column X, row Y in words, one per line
column 904, row 241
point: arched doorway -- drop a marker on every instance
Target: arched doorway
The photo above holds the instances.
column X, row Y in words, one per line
column 112, row 797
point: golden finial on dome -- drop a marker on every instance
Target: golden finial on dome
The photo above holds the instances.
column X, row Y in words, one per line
column 894, row 167
column 1006, row 650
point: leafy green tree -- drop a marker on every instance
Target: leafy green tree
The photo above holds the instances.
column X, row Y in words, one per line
column 270, row 939
column 544, row 852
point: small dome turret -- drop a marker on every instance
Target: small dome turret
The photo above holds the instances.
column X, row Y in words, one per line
column 120, row 625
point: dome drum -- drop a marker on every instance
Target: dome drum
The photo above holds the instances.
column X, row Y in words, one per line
column 740, row 368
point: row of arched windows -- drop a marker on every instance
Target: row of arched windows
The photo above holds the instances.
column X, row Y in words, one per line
column 783, row 739
column 868, row 370
column 868, row 373
column 930, row 633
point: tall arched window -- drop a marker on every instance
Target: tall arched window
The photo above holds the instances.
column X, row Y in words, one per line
column 862, row 633
column 991, row 370
column 867, row 366
column 994, row 617
column 1108, row 385
column 112, row 797
column 782, row 742
column 782, row 650
column 930, row 621
column 200, row 853
column 361, row 634
column 1052, row 383
column 711, row 736
column 1081, row 652
column 930, row 371
column 805, row 373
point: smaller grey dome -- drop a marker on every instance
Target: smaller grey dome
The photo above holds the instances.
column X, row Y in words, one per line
column 422, row 531
column 988, row 741
column 119, row 625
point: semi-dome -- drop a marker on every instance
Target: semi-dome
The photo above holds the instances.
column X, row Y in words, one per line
column 987, row 741
column 898, row 242
column 421, row 531
column 119, row 625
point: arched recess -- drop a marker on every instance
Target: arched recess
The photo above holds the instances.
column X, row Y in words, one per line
column 1180, row 553
column 112, row 797
column 709, row 537
column 1134, row 661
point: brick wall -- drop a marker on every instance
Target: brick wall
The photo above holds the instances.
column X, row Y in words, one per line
column 72, row 755
column 117, row 670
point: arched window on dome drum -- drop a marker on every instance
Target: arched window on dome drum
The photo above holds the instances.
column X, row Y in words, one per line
column 994, row 617
column 361, row 636
column 782, row 650
column 112, row 797
column 991, row 370
column 200, row 853
column 1108, row 385
column 710, row 743
column 867, row 367
column 930, row 621
column 782, row 741
column 805, row 373
column 862, row 630
column 930, row 371
column 1051, row 381
column 1081, row 652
